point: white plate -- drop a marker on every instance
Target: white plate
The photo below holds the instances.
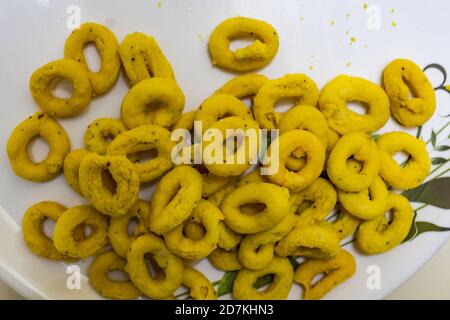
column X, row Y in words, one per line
column 33, row 33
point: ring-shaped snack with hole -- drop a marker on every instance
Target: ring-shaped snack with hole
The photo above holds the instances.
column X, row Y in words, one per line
column 108, row 48
column 380, row 235
column 278, row 289
column 99, row 133
column 402, row 79
column 161, row 286
column 110, row 202
column 156, row 101
column 42, row 82
column 254, row 56
column 145, row 138
column 72, row 168
column 276, row 207
column 38, row 125
column 65, row 239
column 243, row 86
column 225, row 260
column 176, row 195
column 361, row 147
column 142, row 58
column 343, row 89
column 103, row 284
column 292, row 86
column 416, row 168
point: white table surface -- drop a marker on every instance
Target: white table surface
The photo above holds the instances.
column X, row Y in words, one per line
column 431, row 282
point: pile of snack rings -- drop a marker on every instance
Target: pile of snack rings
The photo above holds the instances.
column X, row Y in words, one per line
column 240, row 220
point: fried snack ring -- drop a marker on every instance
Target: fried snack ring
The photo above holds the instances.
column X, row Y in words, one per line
column 362, row 148
column 314, row 241
column 38, row 125
column 220, row 106
column 255, row 56
column 103, row 284
column 200, row 288
column 217, row 197
column 342, row 89
column 142, row 58
column 176, row 195
column 246, row 85
column 225, row 260
column 401, row 79
column 72, row 168
column 100, row 131
column 257, row 250
column 63, row 234
column 345, row 225
column 209, row 216
column 113, row 203
column 106, row 43
column 228, row 239
column 288, row 143
column 32, row 231
column 145, row 138
column 275, row 199
column 279, row 289
column 336, row 271
column 378, row 235
column 186, row 121
column 368, row 203
column 291, row 86
column 159, row 287
column 118, row 227
column 229, row 165
column 156, row 101
column 321, row 196
column 213, row 183
column 43, row 79
column 416, row 169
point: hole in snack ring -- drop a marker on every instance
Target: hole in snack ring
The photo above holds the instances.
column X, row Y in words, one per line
column 155, row 271
column 47, row 226
column 358, row 107
column 118, row 275
column 108, row 181
column 284, row 104
column 61, row 88
column 144, row 156
column 240, row 43
column 92, row 56
column 38, row 149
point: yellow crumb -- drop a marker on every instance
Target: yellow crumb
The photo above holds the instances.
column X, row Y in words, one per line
column 200, row 37
column 302, row 18
column 393, row 10
column 366, row 46
column 348, row 64
column 353, row 39
column 365, row 6
column 394, row 24
column 447, row 87
column 158, row 4
column 311, row 68
column 332, row 22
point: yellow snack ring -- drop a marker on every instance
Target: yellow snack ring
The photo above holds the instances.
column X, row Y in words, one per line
column 274, row 198
column 69, row 220
column 213, row 183
column 176, row 195
column 159, row 287
column 416, row 169
column 103, row 284
column 252, row 177
column 41, row 88
column 315, row 241
column 32, row 231
column 246, row 85
column 378, row 235
column 315, row 202
column 254, row 56
column 343, row 89
column 289, row 142
column 72, row 168
column 218, row 107
column 336, row 271
column 145, row 138
column 200, row 288
column 100, row 131
column 257, row 250
column 247, row 150
column 193, row 230
column 106, row 43
column 142, row 58
column 368, row 203
column 209, row 216
column 118, row 227
column 401, row 79
column 291, row 86
column 217, row 197
column 156, row 101
column 38, row 125
column 186, row 121
column 279, row 289
column 113, row 203
column 345, row 225
column 225, row 260
column 362, row 148
column 228, row 239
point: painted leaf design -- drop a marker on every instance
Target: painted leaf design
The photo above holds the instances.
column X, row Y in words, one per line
column 433, row 138
column 436, row 161
column 443, row 148
column 262, row 281
column 419, row 227
column 226, row 283
column 434, row 192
